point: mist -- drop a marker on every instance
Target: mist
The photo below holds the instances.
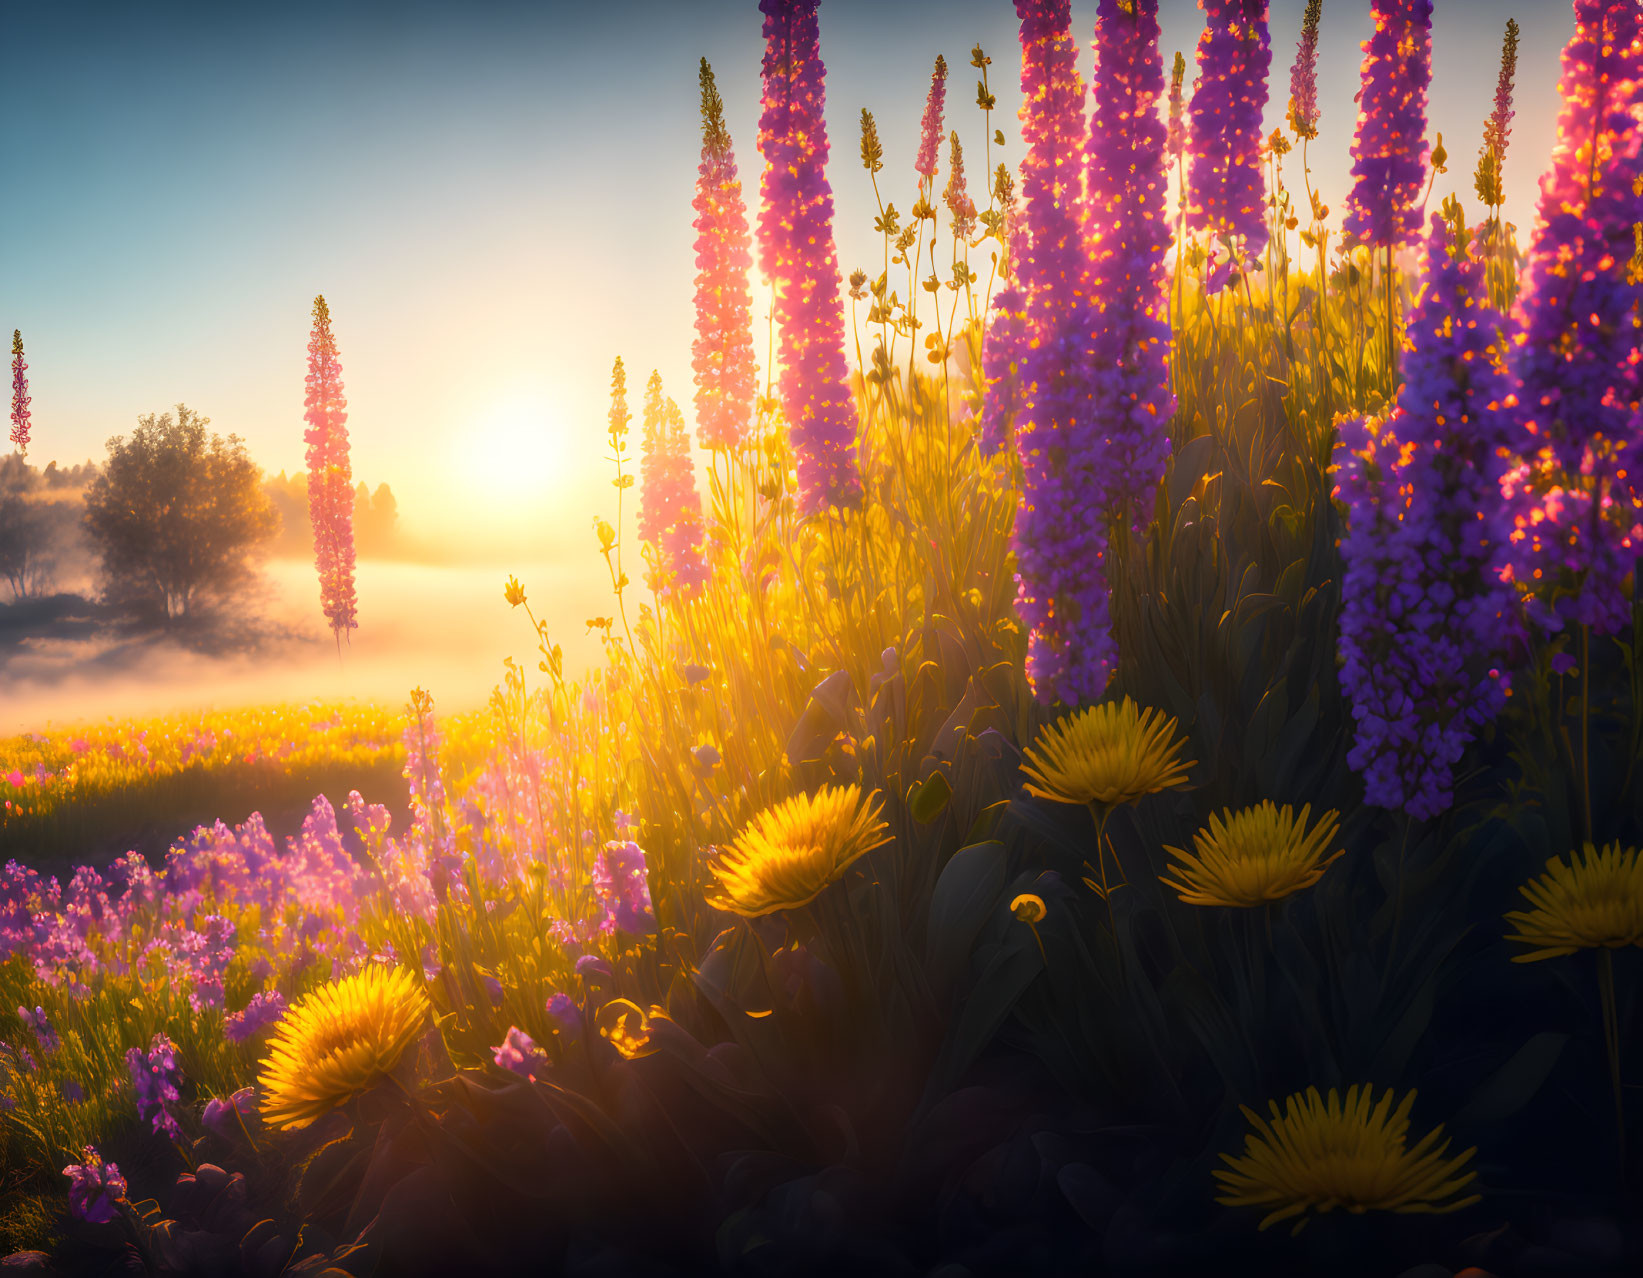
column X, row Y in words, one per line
column 445, row 628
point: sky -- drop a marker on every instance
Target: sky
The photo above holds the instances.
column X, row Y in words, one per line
column 495, row 200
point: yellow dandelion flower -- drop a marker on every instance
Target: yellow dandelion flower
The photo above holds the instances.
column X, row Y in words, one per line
column 338, row 1041
column 1593, row 902
column 1105, row 755
column 1319, row 1155
column 1255, row 856
column 790, row 852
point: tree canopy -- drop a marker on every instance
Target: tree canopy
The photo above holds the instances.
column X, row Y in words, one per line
column 177, row 515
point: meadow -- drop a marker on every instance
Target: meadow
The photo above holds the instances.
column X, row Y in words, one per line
column 1125, row 759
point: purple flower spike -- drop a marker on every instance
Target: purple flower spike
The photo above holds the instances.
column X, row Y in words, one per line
column 1226, row 187
column 1389, row 149
column 154, row 1078
column 94, row 1188
column 1128, row 240
column 797, row 253
column 1425, row 615
column 1303, row 76
column 1579, row 488
column 623, row 889
column 722, row 356
column 929, row 144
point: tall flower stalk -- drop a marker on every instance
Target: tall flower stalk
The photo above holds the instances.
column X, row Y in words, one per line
column 1226, row 183
column 722, row 356
column 1061, row 542
column 1425, row 614
column 1389, row 148
column 1497, row 129
column 1127, row 231
column 670, row 509
column 330, row 478
column 19, row 394
column 796, row 252
column 1303, row 76
column 1580, row 490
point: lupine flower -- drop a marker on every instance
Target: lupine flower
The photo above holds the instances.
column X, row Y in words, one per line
column 1303, row 76
column 19, row 394
column 94, row 1188
column 1175, row 140
column 330, row 477
column 1425, row 615
column 1317, row 1155
column 670, row 509
column 1226, row 185
column 1128, row 238
column 622, row 888
column 957, row 195
column 1578, row 492
column 1061, row 551
column 797, row 254
column 722, row 355
column 1497, row 129
column 339, row 1040
column 1389, row 148
column 265, row 1009
column 1105, row 755
column 154, row 1078
column 930, row 126
column 789, row 853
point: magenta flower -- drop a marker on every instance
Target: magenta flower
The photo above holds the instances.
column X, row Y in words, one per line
column 264, row 1010
column 796, row 252
column 621, row 886
column 19, row 394
column 1226, row 187
column 722, row 355
column 670, row 508
column 1579, row 488
column 1303, row 76
column 1425, row 616
column 929, row 141
column 94, row 1188
column 1497, row 129
column 1060, row 537
column 1389, row 149
column 1128, row 238
column 154, row 1078
column 519, row 1054
column 330, row 478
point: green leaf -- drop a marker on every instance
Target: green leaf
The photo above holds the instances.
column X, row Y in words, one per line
column 963, row 897
column 928, row 798
column 1515, row 1083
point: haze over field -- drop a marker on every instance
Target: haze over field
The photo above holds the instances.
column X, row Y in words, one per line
column 445, row 628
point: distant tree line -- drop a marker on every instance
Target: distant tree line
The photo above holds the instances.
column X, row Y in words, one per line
column 173, row 522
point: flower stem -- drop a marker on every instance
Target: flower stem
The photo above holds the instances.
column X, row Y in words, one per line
column 1586, row 729
column 1611, row 1042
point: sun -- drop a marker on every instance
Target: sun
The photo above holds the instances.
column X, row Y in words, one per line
column 513, row 448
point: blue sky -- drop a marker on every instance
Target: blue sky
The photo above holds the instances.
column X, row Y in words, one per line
column 495, row 199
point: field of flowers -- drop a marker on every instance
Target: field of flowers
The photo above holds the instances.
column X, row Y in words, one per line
column 67, row 791
column 1145, row 754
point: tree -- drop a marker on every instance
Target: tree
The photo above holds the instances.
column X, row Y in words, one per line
column 177, row 515
column 27, row 564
